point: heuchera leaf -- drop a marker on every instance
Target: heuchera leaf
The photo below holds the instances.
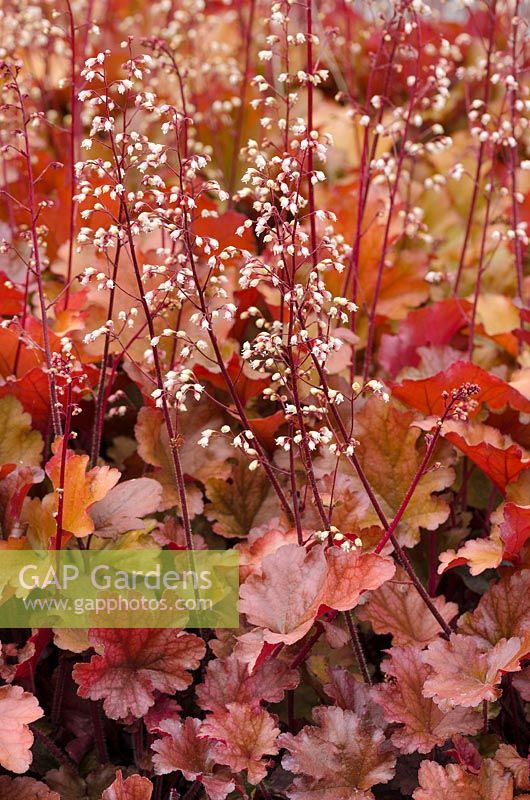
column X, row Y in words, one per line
column 153, row 448
column 285, row 598
column 135, row 663
column 431, row 325
column 427, row 395
column 389, row 455
column 510, row 759
column 81, row 488
column 262, row 542
column 514, row 530
column 503, row 611
column 398, row 609
column 338, row 759
column 501, row 459
column 454, row 783
column 124, row 506
column 466, row 672
column 352, row 695
column 235, row 507
column 478, row 554
column 17, row 710
column 230, row 681
column 132, row 788
column 423, row 725
column 245, row 735
column 183, row 750
column 25, row 789
column 18, row 443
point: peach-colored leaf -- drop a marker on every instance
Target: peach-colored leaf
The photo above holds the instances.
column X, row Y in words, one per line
column 338, row 759
column 182, row 749
column 422, row 724
column 503, row 611
column 246, row 735
column 285, row 598
column 17, row 710
column 397, row 608
column 350, row 573
column 132, row 788
column 230, row 681
column 454, row 783
column 466, row 672
column 81, row 488
column 134, row 664
column 510, row 759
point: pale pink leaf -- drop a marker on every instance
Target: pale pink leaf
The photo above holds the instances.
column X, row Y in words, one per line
column 17, row 710
column 124, row 506
column 466, row 672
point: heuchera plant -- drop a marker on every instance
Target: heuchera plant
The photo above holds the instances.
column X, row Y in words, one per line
column 265, row 285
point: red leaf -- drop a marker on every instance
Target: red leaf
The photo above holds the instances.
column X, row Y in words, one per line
column 497, row 456
column 514, row 530
column 426, row 395
column 432, row 325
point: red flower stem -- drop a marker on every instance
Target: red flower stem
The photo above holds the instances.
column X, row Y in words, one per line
column 481, row 267
column 97, row 429
column 74, row 124
column 306, row 649
column 173, row 445
column 58, row 539
column 311, row 189
column 480, row 157
column 432, row 583
column 32, row 204
column 242, row 101
column 400, row 554
column 51, row 747
column 366, row 159
column 357, row 647
column 294, row 489
column 410, row 491
column 517, row 243
column 264, row 461
column 384, row 249
column 99, row 731
column 58, row 694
